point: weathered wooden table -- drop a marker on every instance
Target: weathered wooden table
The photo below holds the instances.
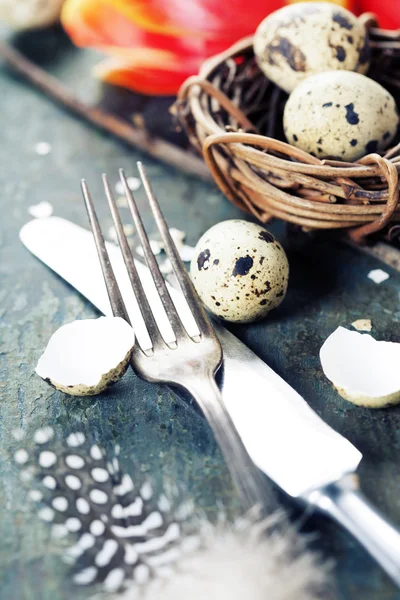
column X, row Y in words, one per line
column 155, row 428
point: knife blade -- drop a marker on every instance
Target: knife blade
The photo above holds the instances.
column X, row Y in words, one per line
column 284, row 437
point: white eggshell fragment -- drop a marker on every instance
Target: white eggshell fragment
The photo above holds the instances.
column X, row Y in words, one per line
column 305, row 38
column 362, row 324
column 42, row 210
column 240, row 271
column 340, row 115
column 85, row 357
column 363, row 370
column 30, row 14
column 378, row 276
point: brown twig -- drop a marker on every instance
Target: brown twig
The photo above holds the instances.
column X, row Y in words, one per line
column 133, row 136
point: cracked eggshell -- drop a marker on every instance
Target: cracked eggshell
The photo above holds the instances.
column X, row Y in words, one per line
column 83, row 358
column 340, row 115
column 305, row 38
column 363, row 370
column 240, row 271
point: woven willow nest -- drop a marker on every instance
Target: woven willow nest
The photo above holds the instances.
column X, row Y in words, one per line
column 233, row 115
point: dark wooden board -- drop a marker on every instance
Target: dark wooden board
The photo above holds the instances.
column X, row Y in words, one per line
column 155, row 428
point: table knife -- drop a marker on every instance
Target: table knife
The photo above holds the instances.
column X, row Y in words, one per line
column 285, row 438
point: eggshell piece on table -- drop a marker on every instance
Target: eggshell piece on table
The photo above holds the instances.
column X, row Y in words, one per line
column 363, row 370
column 85, row 357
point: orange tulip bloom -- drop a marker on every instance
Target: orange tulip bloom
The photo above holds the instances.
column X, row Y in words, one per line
column 154, row 45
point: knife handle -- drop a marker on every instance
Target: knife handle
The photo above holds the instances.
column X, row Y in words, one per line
column 344, row 502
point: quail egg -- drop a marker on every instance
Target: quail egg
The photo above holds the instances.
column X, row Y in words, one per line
column 340, row 115
column 30, row 14
column 240, row 271
column 309, row 37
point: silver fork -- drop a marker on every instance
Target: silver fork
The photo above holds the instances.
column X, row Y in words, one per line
column 190, row 363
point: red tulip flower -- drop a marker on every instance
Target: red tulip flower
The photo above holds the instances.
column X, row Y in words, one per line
column 387, row 11
column 154, row 45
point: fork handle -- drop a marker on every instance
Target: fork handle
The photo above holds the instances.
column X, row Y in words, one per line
column 248, row 479
column 344, row 502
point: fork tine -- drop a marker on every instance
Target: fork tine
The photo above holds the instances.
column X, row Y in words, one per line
column 137, row 287
column 182, row 276
column 114, row 294
column 152, row 264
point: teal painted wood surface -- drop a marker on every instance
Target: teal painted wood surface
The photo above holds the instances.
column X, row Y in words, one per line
column 157, row 430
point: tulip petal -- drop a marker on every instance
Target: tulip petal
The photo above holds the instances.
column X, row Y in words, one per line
column 153, row 78
column 97, row 15
column 179, row 18
column 349, row 4
column 387, row 11
column 105, row 26
column 161, row 41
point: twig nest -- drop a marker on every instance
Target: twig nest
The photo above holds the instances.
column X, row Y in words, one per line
column 30, row 14
column 340, row 115
column 305, row 38
column 363, row 370
column 240, row 271
column 85, row 357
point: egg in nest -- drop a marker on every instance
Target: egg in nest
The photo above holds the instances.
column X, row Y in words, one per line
column 240, row 271
column 310, row 37
column 340, row 115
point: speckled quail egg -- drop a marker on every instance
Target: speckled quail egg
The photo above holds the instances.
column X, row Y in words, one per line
column 240, row 271
column 340, row 115
column 309, row 37
column 30, row 14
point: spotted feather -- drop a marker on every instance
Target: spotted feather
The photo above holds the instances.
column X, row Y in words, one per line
column 124, row 531
column 130, row 539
